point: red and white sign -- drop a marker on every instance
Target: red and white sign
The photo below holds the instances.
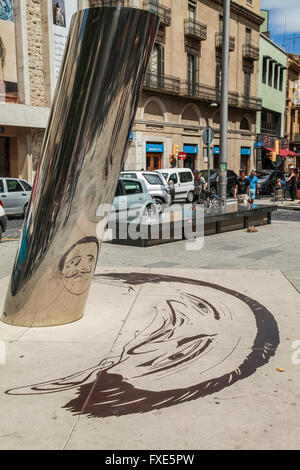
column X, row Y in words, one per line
column 182, row 155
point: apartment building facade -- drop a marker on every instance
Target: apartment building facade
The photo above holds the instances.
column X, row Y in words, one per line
column 292, row 111
column 182, row 89
column 181, row 92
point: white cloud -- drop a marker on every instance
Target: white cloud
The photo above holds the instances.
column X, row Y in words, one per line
column 278, row 11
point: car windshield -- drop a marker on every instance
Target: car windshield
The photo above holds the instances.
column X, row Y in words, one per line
column 263, row 175
column 213, row 174
column 165, row 175
column 152, row 179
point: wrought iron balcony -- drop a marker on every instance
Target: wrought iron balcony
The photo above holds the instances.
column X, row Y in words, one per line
column 163, row 12
column 250, row 102
column 219, row 42
column 195, row 29
column 250, row 51
column 207, row 93
column 108, row 3
column 162, row 83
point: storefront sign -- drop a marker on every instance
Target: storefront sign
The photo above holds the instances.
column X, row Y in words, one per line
column 192, row 149
column 155, row 148
column 246, row 151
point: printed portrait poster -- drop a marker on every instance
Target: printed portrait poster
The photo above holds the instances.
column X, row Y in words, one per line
column 8, row 65
column 62, row 11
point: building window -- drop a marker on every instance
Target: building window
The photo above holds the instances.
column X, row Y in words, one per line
column 281, row 79
column 276, row 76
column 248, row 36
column 244, row 124
column 157, row 60
column 270, row 123
column 221, row 24
column 247, row 83
column 270, row 82
column 192, row 68
column 264, row 70
column 219, row 74
column 192, row 10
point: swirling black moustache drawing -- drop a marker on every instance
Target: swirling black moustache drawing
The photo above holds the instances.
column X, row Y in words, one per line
column 182, row 334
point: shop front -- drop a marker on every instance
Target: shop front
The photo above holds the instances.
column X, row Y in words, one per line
column 192, row 154
column 4, row 156
column 154, row 154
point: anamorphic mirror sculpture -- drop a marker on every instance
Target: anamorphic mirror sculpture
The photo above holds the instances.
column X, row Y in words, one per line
column 96, row 98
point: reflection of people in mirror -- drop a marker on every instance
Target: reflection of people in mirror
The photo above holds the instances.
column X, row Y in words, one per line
column 59, row 14
column 78, row 264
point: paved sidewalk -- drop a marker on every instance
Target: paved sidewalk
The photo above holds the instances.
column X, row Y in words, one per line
column 162, row 359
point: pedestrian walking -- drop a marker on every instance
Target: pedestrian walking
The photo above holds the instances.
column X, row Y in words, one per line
column 293, row 183
column 199, row 186
column 242, row 188
column 253, row 183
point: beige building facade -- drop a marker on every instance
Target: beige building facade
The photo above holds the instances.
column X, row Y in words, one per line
column 182, row 87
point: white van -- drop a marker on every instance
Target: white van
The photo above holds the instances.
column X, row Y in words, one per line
column 183, row 180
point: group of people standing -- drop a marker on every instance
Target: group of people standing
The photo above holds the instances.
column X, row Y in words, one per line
column 247, row 188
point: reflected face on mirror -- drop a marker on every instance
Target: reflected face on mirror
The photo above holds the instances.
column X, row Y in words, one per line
column 78, row 265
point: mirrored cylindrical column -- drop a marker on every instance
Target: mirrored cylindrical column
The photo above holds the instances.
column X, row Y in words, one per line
column 95, row 102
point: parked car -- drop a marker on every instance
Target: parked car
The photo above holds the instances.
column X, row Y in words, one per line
column 157, row 187
column 183, row 181
column 131, row 200
column 267, row 180
column 3, row 220
column 15, row 194
column 231, row 180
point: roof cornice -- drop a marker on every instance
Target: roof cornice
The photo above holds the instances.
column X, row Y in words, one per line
column 244, row 12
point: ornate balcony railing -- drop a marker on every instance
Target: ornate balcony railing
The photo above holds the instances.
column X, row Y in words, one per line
column 108, row 3
column 250, row 102
column 163, row 12
column 219, row 42
column 207, row 93
column 250, row 51
column 163, row 83
column 195, row 29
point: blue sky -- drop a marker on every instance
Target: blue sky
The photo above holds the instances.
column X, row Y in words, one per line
column 281, row 12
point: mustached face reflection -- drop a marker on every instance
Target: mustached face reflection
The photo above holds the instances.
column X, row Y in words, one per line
column 78, row 267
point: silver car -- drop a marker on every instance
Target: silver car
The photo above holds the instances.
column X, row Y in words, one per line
column 15, row 195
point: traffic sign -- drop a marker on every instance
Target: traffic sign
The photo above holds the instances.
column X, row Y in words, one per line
column 182, row 155
column 207, row 135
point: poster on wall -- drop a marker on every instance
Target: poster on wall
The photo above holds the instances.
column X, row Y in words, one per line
column 8, row 65
column 62, row 12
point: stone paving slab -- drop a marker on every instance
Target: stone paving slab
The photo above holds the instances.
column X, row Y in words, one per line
column 162, row 359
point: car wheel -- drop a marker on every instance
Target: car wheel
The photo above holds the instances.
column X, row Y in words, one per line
column 158, row 204
column 150, row 210
column 24, row 210
column 190, row 197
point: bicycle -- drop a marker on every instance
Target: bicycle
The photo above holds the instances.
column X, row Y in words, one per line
column 209, row 200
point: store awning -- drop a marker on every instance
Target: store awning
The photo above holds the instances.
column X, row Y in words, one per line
column 284, row 152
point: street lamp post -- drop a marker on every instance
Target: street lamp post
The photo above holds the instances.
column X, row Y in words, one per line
column 224, row 106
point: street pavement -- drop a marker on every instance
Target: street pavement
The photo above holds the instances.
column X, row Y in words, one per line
column 177, row 349
column 162, row 359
